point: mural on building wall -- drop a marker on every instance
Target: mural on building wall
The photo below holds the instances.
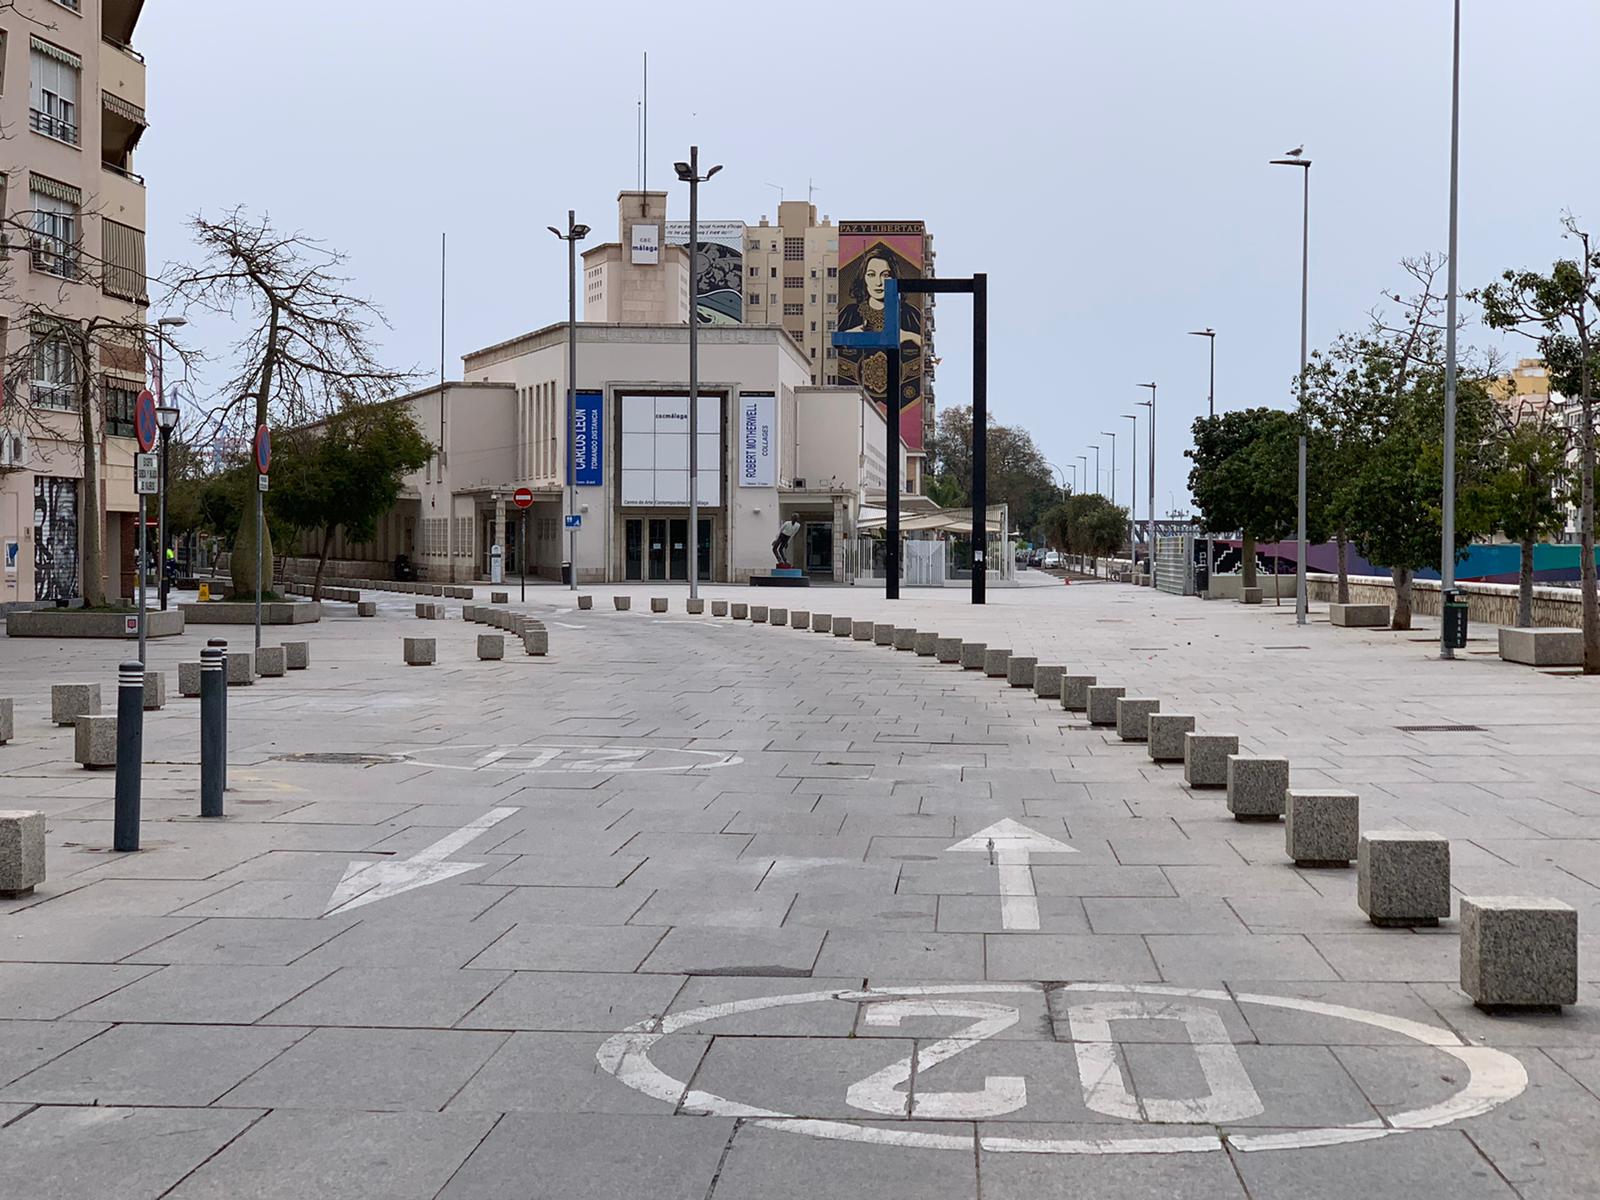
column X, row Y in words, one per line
column 719, row 268
column 55, row 538
column 871, row 252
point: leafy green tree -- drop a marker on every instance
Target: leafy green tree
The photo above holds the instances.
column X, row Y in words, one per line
column 1087, row 525
column 345, row 473
column 1245, row 477
column 1528, row 487
column 1018, row 475
column 1561, row 312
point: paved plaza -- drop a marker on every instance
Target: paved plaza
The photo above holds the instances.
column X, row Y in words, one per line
column 703, row 909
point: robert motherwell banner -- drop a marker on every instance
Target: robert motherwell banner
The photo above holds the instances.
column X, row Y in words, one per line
column 586, row 440
column 758, row 450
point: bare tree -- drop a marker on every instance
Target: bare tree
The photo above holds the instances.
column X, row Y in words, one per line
column 306, row 344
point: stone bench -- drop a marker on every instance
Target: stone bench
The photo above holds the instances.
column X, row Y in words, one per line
column 758, row 614
column 882, row 634
column 1101, row 703
column 271, row 662
column 419, row 652
column 496, row 597
column 1403, row 877
column 536, row 642
column 1165, row 734
column 719, row 608
column 585, row 603
column 1321, row 829
column 1047, row 680
column 1205, row 759
column 821, row 622
column 69, row 701
column 94, row 743
column 903, row 639
column 778, row 616
column 972, row 655
column 1547, row 647
column 8, row 720
column 622, row 603
column 155, row 692
column 1359, row 616
column 1133, row 717
column 1075, row 692
column 861, row 631
column 21, row 852
column 799, row 618
column 1519, row 952
column 1019, row 670
column 241, row 666
column 658, row 604
column 694, row 606
column 367, row 608
column 1258, row 788
column 925, row 644
column 297, row 655
column 491, row 645
column 997, row 662
column 947, row 649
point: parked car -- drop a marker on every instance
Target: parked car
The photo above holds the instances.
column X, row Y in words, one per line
column 1052, row 558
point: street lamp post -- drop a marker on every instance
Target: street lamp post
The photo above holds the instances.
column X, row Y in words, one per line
column 1297, row 158
column 1133, row 486
column 689, row 173
column 1210, row 335
column 575, row 233
column 1447, row 557
column 1097, row 475
column 1113, row 437
column 167, row 418
column 1084, row 477
column 1151, row 511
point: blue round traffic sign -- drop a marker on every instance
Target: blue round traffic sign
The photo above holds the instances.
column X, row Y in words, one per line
column 145, row 426
column 263, row 449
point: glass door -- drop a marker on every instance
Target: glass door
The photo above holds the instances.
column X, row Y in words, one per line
column 658, row 548
column 678, row 556
column 704, row 547
column 633, row 549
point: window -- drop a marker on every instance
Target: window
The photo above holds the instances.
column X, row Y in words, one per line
column 813, row 359
column 833, row 297
column 120, row 399
column 55, row 227
column 755, row 243
column 774, row 272
column 813, row 327
column 755, row 272
column 794, row 249
column 813, row 299
column 833, row 379
column 832, row 324
column 813, row 272
column 5, row 42
column 53, row 91
column 55, row 369
column 772, row 298
column 71, row 5
column 755, row 297
column 793, row 281
column 794, row 310
column 122, row 247
column 833, row 272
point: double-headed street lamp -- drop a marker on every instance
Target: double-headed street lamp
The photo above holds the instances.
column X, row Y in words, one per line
column 1150, row 549
column 1113, row 437
column 1133, row 485
column 167, row 417
column 575, row 233
column 1296, row 158
column 1211, row 411
column 1097, row 476
column 1447, row 559
column 689, row 172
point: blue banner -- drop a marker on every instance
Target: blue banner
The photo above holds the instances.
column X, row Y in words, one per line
column 586, row 439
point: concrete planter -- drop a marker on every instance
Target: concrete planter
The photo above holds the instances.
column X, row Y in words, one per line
column 1542, row 647
column 80, row 623
column 233, row 612
column 1359, row 616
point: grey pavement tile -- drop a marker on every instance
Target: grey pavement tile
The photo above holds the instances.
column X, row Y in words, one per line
column 528, row 947
column 25, row 1045
column 1156, row 1016
column 1167, row 852
column 799, row 1077
column 665, row 1158
column 1544, row 1141
column 369, row 1069
column 831, row 875
column 568, row 906
column 38, row 935
column 844, row 911
column 566, row 870
column 388, row 996
column 552, row 1072
column 219, row 995
column 784, row 1162
column 381, row 941
column 1213, row 958
column 982, row 914
column 244, row 941
column 876, row 954
column 1071, row 957
column 1295, row 1087
column 1089, row 880
column 1024, row 1176
column 1284, row 1024
column 130, row 897
column 166, row 1065
column 687, row 906
column 825, row 1016
column 90, row 1153
column 706, row 950
column 572, row 1001
column 44, row 991
column 1108, row 914
column 1401, row 957
column 1582, row 1064
column 1267, row 880
column 1578, row 1025
column 1311, row 913
column 1425, row 1165
column 340, row 1156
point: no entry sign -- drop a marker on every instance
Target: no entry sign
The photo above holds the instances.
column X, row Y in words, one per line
column 522, row 498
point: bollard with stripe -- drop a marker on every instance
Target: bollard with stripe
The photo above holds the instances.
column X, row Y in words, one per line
column 220, row 645
column 130, row 755
column 213, row 731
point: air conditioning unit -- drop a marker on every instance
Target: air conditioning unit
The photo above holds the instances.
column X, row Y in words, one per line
column 13, row 450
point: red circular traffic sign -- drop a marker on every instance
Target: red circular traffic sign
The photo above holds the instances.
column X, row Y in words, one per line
column 263, row 449
column 522, row 498
column 145, row 426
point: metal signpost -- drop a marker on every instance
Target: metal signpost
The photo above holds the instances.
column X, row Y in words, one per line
column 887, row 339
column 523, row 499
column 263, row 455
column 147, row 480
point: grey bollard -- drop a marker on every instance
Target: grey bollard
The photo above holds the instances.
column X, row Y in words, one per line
column 585, row 603
column 821, row 622
column 69, row 701
column 1047, row 680
column 297, row 655
column 220, row 645
column 658, row 604
column 536, row 642
column 861, row 631
column 21, row 852
column 1519, row 952
column 1075, row 692
column 271, row 662
column 155, row 691
column 189, row 678
column 418, row 652
column 1020, row 670
column 972, row 655
column 1133, row 717
column 947, row 649
column 778, row 616
column 799, row 618
column 926, row 643
column 622, row 603
column 1102, row 704
column 758, row 614
column 1403, row 877
column 719, row 608
column 366, row 608
column 213, row 732
column 903, row 639
column 843, row 625
column 695, row 607
column 130, row 755
column 997, row 663
column 8, row 725
column 491, row 646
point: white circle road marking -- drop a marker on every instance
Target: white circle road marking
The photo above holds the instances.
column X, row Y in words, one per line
column 603, row 760
column 1493, row 1076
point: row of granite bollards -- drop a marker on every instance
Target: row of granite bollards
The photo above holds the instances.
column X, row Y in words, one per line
column 116, row 742
column 1517, row 952
column 424, row 651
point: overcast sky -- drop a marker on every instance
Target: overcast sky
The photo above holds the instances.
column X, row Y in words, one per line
column 1105, row 163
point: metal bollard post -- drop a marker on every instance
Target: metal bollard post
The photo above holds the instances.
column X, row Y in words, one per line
column 220, row 645
column 213, row 731
column 130, row 755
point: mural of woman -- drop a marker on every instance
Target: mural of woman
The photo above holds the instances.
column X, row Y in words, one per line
column 865, row 313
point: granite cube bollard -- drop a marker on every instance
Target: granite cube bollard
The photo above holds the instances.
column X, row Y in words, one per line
column 1101, row 703
column 155, row 692
column 8, row 720
column 719, row 608
column 842, row 627
column 1020, row 670
column 778, row 617
column 861, row 631
column 1250, row 595
column 903, row 639
column 1075, row 692
column 739, row 612
column 622, row 603
column 491, row 646
column 1519, row 952
column 1047, row 680
column 366, row 608
column 496, row 597
column 188, row 679
column 973, row 654
column 821, row 622
column 420, row 652
column 758, row 614
column 69, row 701
column 1205, row 760
column 882, row 634
column 1166, row 733
column 585, row 603
column 658, row 604
column 21, row 852
column 424, row 609
column 297, row 655
column 1133, row 717
column 241, row 665
column 947, row 649
column 1257, row 787
column 799, row 618
column 1403, row 877
column 271, row 662
column 94, row 743
column 1321, row 829
column 925, row 643
column 536, row 642
column 694, row 606
column 1359, row 616
column 997, row 662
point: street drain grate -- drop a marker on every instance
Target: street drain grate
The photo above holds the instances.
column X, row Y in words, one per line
column 1441, row 729
column 342, row 759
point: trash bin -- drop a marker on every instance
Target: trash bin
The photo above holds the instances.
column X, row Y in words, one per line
column 566, row 574
column 1455, row 620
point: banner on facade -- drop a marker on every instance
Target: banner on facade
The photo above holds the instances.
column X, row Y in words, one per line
column 644, row 245
column 586, row 439
column 758, row 450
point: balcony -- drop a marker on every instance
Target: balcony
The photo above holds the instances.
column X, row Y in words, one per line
column 117, row 21
column 53, row 127
column 50, row 256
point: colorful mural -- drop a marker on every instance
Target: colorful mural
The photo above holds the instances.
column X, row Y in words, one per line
column 871, row 252
column 55, row 538
column 719, row 268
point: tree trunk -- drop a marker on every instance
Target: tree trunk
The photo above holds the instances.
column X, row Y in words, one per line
column 1591, row 603
column 1525, row 586
column 243, row 565
column 322, row 562
column 1402, row 598
column 1247, row 560
column 1342, row 540
column 91, row 518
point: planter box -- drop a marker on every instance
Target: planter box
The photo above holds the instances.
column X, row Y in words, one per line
column 78, row 623
column 1542, row 647
column 1359, row 616
column 234, row 612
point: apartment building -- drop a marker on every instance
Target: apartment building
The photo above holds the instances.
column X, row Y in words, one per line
column 72, row 113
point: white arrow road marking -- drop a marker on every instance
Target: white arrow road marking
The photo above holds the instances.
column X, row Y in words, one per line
column 369, row 882
column 1008, row 844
